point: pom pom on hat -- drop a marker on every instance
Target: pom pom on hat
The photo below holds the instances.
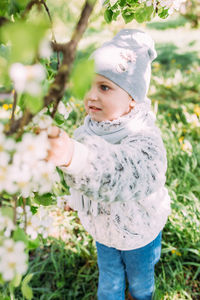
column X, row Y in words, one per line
column 126, row 60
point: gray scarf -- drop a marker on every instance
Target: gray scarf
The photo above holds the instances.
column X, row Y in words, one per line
column 114, row 131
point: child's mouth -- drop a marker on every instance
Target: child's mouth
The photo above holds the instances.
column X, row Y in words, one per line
column 94, row 108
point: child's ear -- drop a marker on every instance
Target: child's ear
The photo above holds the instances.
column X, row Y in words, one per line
column 132, row 103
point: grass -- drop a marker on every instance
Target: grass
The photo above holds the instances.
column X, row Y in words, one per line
column 166, row 24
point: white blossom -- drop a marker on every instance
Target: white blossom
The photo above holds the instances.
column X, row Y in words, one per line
column 191, row 118
column 39, row 223
column 12, row 259
column 27, row 78
column 149, row 2
column 42, row 120
column 45, row 50
column 6, row 183
column 32, row 147
column 187, row 147
column 6, row 144
column 6, row 225
column 44, row 176
column 64, row 109
column 21, row 177
column 36, row 174
column 112, row 2
column 171, row 5
column 62, row 201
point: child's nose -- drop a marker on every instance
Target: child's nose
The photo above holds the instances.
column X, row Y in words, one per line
column 92, row 94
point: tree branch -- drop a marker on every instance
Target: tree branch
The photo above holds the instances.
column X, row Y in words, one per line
column 57, row 88
column 3, row 21
column 29, row 7
column 13, row 108
column 53, row 35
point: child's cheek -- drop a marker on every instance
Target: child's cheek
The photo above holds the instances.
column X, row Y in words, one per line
column 86, row 106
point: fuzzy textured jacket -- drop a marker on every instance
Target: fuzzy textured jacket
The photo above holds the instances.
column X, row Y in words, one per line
column 117, row 178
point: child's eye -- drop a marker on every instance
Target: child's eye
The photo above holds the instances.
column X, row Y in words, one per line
column 104, row 87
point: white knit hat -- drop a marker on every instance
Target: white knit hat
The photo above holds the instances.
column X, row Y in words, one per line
column 126, row 60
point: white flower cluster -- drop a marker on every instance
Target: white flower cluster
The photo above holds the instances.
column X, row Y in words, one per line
column 13, row 259
column 42, row 120
column 39, row 223
column 149, row 2
column 62, row 201
column 191, row 118
column 25, row 170
column 45, row 50
column 170, row 5
column 27, row 78
column 64, row 109
column 6, row 225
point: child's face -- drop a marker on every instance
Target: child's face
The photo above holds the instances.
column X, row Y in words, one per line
column 106, row 100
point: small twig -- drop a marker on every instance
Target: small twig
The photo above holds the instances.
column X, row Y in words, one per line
column 54, row 109
column 25, row 216
column 29, row 7
column 13, row 108
column 15, row 210
column 52, row 31
column 27, row 116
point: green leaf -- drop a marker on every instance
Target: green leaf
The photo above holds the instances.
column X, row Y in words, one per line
column 82, row 77
column 17, row 280
column 20, row 235
column 25, row 288
column 59, row 119
column 7, row 211
column 2, row 282
column 140, row 15
column 127, row 16
column 21, row 3
column 148, row 12
column 122, row 3
column 4, row 77
column 115, row 15
column 33, row 103
column 24, row 38
column 163, row 13
column 3, row 7
column 33, row 244
column 133, row 2
column 108, row 15
column 45, row 199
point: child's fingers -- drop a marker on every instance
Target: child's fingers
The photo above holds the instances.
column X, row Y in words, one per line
column 68, row 208
column 53, row 132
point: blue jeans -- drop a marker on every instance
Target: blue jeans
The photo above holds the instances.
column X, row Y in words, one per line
column 135, row 265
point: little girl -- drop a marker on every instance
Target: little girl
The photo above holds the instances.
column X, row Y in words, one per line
column 116, row 166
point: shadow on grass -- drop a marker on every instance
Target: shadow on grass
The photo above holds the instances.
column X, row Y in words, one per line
column 164, row 25
column 167, row 54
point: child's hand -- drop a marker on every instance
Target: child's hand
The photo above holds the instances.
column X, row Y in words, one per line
column 61, row 147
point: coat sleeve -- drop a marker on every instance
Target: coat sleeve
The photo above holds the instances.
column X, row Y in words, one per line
column 133, row 169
